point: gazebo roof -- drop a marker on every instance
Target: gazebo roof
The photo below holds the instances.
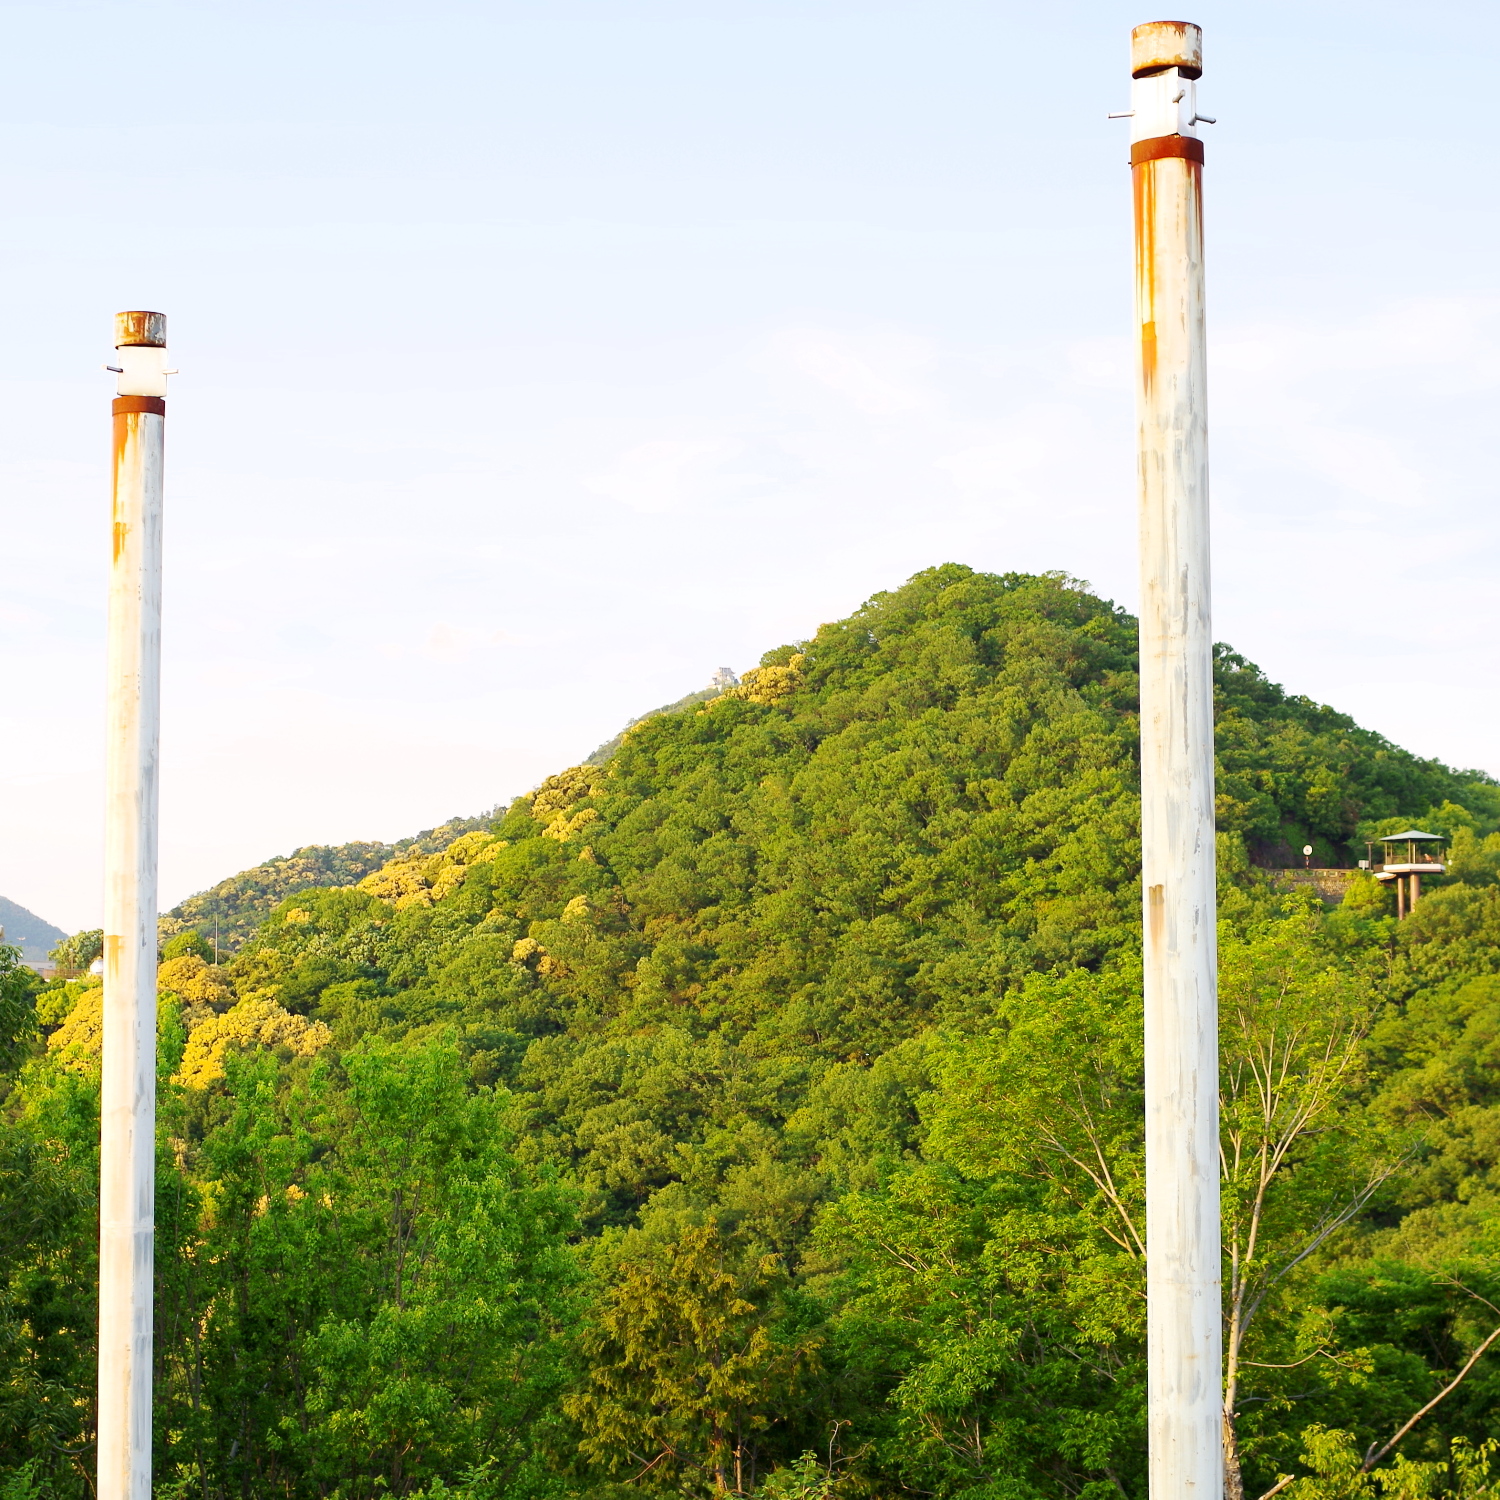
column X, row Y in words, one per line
column 1411, row 836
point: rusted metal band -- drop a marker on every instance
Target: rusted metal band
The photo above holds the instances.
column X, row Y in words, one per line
column 148, row 329
column 125, row 404
column 1162, row 146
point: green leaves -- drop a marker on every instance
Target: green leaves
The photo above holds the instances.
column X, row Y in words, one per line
column 380, row 1286
column 770, row 1086
column 1052, row 1093
column 685, row 1372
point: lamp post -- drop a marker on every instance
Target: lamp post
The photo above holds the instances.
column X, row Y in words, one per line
column 127, row 1147
column 1185, row 1400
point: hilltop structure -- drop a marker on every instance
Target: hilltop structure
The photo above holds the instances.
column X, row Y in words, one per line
column 1408, row 872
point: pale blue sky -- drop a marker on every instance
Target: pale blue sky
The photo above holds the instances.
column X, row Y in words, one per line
column 538, row 359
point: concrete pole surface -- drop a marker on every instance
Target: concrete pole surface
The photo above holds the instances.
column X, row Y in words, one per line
column 1184, row 1330
column 127, row 1155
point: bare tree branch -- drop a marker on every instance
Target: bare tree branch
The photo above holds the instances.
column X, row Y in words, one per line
column 1371, row 1459
column 1280, row 1485
column 1469, row 1292
column 1261, row 1364
column 1331, row 1224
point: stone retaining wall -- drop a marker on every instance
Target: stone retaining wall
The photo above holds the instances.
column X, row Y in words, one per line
column 1329, row 886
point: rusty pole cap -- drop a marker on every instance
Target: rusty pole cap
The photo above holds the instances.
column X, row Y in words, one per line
column 139, row 329
column 1166, row 44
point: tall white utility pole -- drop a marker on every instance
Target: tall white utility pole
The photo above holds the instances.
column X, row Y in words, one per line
column 1177, row 773
column 127, row 1154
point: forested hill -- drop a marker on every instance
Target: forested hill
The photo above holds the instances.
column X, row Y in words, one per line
column 231, row 910
column 913, row 809
column 758, row 1111
column 1290, row 771
column 32, row 934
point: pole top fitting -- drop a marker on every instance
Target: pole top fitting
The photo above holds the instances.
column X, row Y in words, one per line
column 140, row 330
column 1159, row 45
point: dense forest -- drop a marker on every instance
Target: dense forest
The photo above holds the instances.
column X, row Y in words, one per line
column 227, row 913
column 755, row 1109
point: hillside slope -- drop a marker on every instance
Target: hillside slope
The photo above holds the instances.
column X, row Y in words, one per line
column 772, row 1089
column 25, row 930
column 238, row 904
column 881, row 830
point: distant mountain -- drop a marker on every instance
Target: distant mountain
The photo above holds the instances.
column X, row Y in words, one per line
column 28, row 932
column 236, row 906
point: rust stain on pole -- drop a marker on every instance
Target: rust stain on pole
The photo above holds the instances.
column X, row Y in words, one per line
column 126, row 435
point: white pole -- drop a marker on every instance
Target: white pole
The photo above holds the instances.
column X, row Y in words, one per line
column 127, row 1154
column 1185, row 1401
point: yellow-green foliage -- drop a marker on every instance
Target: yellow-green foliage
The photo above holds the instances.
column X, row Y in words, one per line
column 422, row 879
column 769, row 684
column 554, row 801
column 234, row 908
column 251, row 1023
column 79, row 1041
column 195, row 982
column 215, row 1023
